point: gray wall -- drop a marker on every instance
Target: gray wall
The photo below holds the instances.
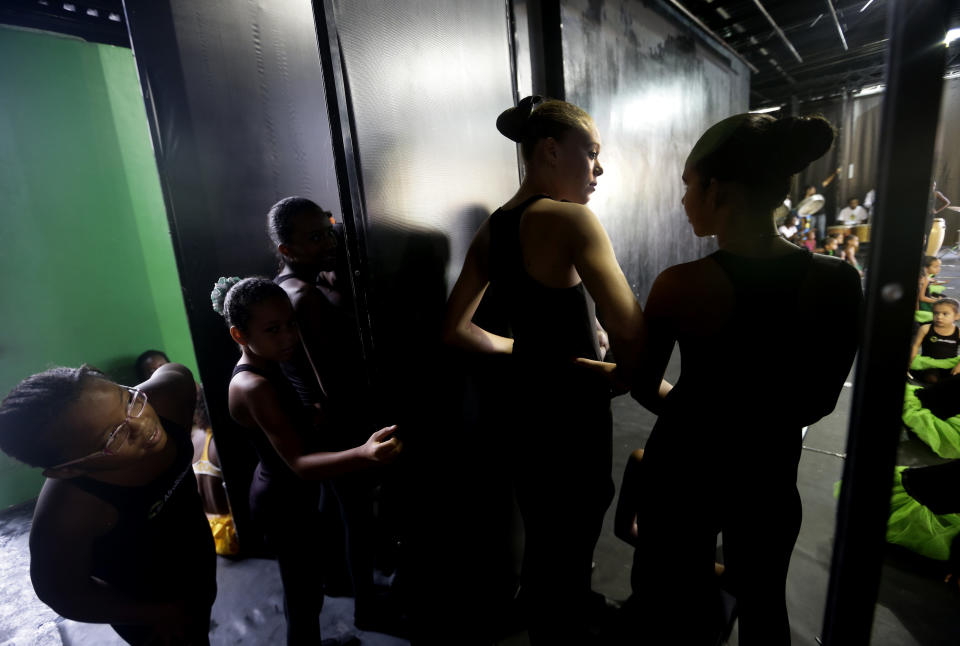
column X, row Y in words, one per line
column 652, row 88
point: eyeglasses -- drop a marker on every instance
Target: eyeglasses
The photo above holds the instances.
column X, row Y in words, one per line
column 135, row 408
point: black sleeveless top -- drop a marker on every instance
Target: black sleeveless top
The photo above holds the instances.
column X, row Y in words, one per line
column 940, row 347
column 549, row 325
column 340, row 367
column 161, row 547
column 271, row 464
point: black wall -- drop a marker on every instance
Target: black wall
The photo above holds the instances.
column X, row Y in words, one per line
column 235, row 98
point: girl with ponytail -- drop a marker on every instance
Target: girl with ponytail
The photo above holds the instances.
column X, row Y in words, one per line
column 284, row 493
column 724, row 452
column 544, row 251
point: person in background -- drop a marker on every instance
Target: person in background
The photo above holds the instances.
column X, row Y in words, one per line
column 789, row 227
column 118, row 535
column 328, row 374
column 810, row 241
column 926, row 296
column 148, row 362
column 939, row 339
column 852, row 214
column 206, row 463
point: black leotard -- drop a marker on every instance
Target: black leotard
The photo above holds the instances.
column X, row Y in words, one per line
column 161, row 547
column 940, row 347
column 723, row 454
column 284, row 508
column 560, row 428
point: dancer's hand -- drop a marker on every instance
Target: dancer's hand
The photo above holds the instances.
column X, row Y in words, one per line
column 606, row 370
column 381, row 447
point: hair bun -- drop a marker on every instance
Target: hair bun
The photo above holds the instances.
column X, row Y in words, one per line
column 512, row 122
column 220, row 290
column 801, row 140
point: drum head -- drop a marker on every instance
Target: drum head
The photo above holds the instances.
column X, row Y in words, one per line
column 811, row 205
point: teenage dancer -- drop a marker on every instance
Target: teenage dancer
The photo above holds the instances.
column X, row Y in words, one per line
column 285, row 493
column 544, row 251
column 723, row 455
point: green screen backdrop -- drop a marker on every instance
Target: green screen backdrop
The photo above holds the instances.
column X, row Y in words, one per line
column 87, row 272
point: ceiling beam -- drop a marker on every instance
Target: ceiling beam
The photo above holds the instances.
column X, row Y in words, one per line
column 833, row 13
column 699, row 23
column 776, row 27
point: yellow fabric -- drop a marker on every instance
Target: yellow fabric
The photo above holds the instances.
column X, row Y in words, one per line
column 204, row 466
column 224, row 534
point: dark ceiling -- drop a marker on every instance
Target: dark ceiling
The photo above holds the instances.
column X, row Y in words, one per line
column 98, row 21
column 819, row 64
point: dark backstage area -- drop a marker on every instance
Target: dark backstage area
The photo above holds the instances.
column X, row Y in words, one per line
column 480, row 322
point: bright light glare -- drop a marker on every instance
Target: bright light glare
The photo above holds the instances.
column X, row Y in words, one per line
column 864, row 8
column 872, row 89
column 770, row 109
column 952, row 35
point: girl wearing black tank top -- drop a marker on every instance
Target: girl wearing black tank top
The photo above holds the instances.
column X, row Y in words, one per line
column 283, row 503
column 723, row 455
column 544, row 249
column 119, row 535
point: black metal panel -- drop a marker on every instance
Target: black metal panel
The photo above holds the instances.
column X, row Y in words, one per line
column 425, row 95
column 426, row 80
column 235, row 97
column 910, row 109
column 652, row 88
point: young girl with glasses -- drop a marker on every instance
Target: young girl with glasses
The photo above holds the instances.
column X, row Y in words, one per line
column 120, row 494
column 287, row 435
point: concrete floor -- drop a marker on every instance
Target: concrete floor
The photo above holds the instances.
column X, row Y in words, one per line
column 914, row 608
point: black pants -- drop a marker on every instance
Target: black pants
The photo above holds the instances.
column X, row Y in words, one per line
column 562, row 477
column 676, row 595
column 286, row 512
column 353, row 495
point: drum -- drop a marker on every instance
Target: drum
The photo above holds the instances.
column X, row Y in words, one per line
column 839, row 228
column 862, row 231
column 937, row 231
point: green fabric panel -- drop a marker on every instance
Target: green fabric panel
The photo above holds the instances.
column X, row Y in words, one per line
column 913, row 525
column 921, row 362
column 80, row 265
column 146, row 198
column 941, row 435
column 917, row 528
column 923, row 315
column 937, row 289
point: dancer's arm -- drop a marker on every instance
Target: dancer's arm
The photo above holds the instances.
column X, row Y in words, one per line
column 458, row 327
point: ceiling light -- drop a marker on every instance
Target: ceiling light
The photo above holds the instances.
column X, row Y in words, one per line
column 765, row 110
column 864, row 7
column 952, row 35
column 870, row 90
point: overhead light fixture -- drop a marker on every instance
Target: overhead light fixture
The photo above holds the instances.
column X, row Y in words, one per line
column 765, row 110
column 864, row 7
column 952, row 35
column 870, row 90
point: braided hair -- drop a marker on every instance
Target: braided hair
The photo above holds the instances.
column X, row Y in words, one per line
column 233, row 298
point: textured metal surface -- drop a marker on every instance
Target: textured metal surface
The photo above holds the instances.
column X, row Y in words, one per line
column 235, row 97
column 652, row 89
column 427, row 80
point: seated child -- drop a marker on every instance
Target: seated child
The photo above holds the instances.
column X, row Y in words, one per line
column 118, row 533
column 851, row 245
column 928, row 284
column 829, row 246
column 938, row 340
column 810, row 241
column 206, row 463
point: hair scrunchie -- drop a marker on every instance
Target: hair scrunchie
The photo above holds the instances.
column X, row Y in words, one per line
column 219, row 293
